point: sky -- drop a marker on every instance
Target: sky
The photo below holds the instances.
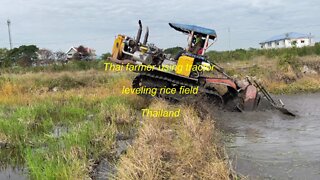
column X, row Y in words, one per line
column 60, row 24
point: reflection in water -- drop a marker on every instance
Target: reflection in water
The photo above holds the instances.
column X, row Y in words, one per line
column 11, row 160
column 252, row 134
column 12, row 164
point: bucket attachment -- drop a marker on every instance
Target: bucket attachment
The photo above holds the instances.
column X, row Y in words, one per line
column 278, row 105
column 250, row 98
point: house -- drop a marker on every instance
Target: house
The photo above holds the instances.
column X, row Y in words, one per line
column 71, row 52
column 288, row 40
column 83, row 53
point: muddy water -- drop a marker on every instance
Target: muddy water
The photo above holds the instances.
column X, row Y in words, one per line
column 13, row 173
column 16, row 170
column 269, row 145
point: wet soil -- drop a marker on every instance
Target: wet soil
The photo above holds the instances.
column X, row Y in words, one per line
column 106, row 167
column 270, row 145
column 261, row 145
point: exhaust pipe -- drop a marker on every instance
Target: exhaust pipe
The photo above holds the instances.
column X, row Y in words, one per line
column 139, row 32
column 146, row 36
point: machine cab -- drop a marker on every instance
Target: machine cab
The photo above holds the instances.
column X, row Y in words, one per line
column 199, row 37
column 193, row 55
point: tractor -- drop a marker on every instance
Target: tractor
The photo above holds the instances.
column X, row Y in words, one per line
column 191, row 69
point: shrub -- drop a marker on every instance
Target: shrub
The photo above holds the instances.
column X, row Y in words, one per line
column 289, row 59
column 317, row 48
column 242, row 54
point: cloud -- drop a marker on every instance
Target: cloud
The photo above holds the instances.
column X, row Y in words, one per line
column 60, row 24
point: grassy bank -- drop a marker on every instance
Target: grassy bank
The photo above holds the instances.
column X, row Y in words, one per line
column 186, row 147
column 251, row 53
column 60, row 124
column 285, row 75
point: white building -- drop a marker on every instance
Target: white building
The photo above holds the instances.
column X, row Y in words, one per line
column 288, row 40
column 70, row 53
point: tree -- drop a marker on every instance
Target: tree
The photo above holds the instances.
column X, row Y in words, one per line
column 317, row 48
column 294, row 43
column 105, row 56
column 25, row 55
column 173, row 51
column 45, row 55
column 3, row 56
column 60, row 56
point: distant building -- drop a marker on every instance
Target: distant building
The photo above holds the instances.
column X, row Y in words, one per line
column 73, row 50
column 288, row 40
column 70, row 53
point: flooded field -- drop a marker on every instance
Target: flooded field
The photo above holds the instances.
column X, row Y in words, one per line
column 269, row 145
column 13, row 173
column 63, row 122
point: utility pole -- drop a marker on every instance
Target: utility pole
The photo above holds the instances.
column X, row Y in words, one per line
column 229, row 43
column 229, row 39
column 310, row 40
column 8, row 23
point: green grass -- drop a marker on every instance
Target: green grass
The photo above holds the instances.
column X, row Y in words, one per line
column 70, row 155
column 90, row 110
column 87, row 116
column 31, row 130
column 249, row 54
column 59, row 67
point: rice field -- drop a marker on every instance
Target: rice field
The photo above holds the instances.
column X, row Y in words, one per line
column 60, row 125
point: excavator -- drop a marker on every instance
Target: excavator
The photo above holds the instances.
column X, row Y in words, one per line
column 190, row 69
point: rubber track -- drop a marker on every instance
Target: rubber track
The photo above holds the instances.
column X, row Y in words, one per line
column 201, row 89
